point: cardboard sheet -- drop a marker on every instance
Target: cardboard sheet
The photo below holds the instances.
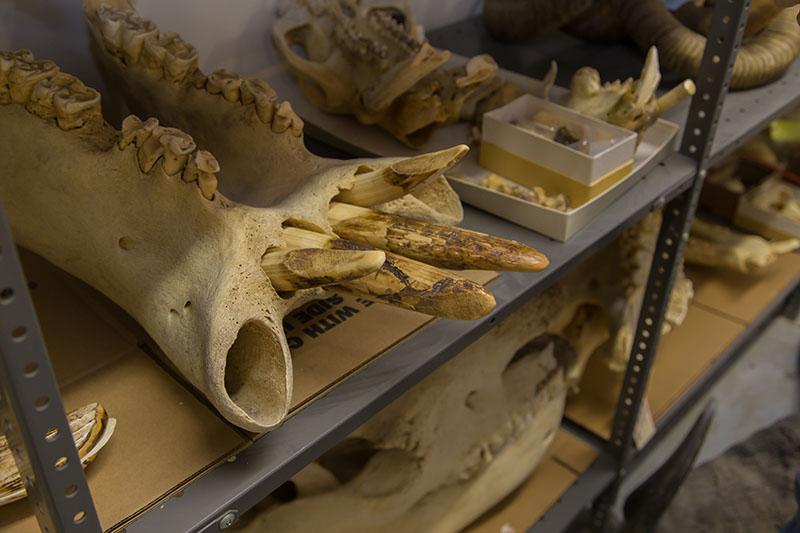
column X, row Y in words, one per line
column 164, row 435
column 683, row 356
column 740, row 296
column 549, row 482
column 724, row 304
column 334, row 337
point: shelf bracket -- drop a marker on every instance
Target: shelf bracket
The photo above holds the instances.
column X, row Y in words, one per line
column 716, row 67
column 31, row 412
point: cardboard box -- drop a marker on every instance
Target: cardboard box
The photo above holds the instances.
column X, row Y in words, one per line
column 766, row 222
column 721, row 201
column 512, row 148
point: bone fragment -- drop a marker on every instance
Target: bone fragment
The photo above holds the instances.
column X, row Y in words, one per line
column 372, row 187
column 407, row 283
column 676, row 94
column 295, row 269
column 91, row 429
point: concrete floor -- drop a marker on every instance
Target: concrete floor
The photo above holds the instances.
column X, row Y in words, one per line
column 762, row 387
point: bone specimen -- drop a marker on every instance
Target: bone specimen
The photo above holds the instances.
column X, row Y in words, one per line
column 778, row 197
column 91, row 430
column 497, row 405
column 771, row 44
column 201, row 272
column 718, row 246
column 636, row 248
column 367, row 58
column 629, row 104
column 536, row 195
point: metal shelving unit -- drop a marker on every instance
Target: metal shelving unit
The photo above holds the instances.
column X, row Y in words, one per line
column 213, row 501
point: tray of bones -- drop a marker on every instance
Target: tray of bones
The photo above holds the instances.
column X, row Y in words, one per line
column 535, row 208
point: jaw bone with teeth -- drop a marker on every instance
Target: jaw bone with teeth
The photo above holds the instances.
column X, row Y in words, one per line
column 496, row 405
column 137, row 215
column 367, row 58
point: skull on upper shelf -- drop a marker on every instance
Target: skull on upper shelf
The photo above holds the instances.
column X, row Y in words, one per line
column 369, row 58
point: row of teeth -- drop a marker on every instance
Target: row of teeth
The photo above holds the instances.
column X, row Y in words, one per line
column 386, row 25
column 176, row 151
column 485, row 452
column 45, row 91
column 361, row 46
column 137, row 41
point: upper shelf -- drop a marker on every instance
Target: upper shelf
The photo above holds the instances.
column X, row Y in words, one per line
column 274, row 458
column 744, row 113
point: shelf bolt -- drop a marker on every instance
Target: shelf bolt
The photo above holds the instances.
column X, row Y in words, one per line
column 228, row 519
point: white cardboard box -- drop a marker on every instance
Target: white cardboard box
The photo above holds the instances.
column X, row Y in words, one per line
column 545, row 156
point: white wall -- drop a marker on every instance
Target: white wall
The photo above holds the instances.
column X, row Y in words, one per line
column 228, row 33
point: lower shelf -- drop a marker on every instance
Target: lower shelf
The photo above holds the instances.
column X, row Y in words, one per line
column 727, row 307
column 727, row 310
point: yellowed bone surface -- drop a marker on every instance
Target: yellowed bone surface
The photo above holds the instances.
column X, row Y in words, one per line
column 90, row 428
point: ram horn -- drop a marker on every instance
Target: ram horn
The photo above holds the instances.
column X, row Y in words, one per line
column 761, row 59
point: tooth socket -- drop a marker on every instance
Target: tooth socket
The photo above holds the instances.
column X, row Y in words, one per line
column 226, row 82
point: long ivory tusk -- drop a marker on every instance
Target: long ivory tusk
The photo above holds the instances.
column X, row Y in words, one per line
column 372, row 187
column 293, row 269
column 407, row 283
column 676, row 94
column 436, row 244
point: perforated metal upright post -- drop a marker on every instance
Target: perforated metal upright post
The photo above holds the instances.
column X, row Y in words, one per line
column 31, row 411
column 712, row 86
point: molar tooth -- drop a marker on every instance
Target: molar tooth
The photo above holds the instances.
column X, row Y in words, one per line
column 265, row 108
column 76, row 104
column 283, row 118
column 151, row 150
column 181, row 58
column 24, row 75
column 111, row 24
column 153, row 54
column 41, row 102
column 135, row 131
column 202, row 167
column 226, row 82
column 253, row 88
column 178, row 145
column 134, row 34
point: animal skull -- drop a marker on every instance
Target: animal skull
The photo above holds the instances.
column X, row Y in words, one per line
column 718, row 246
column 368, row 58
column 210, row 279
column 458, row 442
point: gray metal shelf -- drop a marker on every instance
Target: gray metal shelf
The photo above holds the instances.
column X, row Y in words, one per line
column 274, row 458
column 213, row 501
